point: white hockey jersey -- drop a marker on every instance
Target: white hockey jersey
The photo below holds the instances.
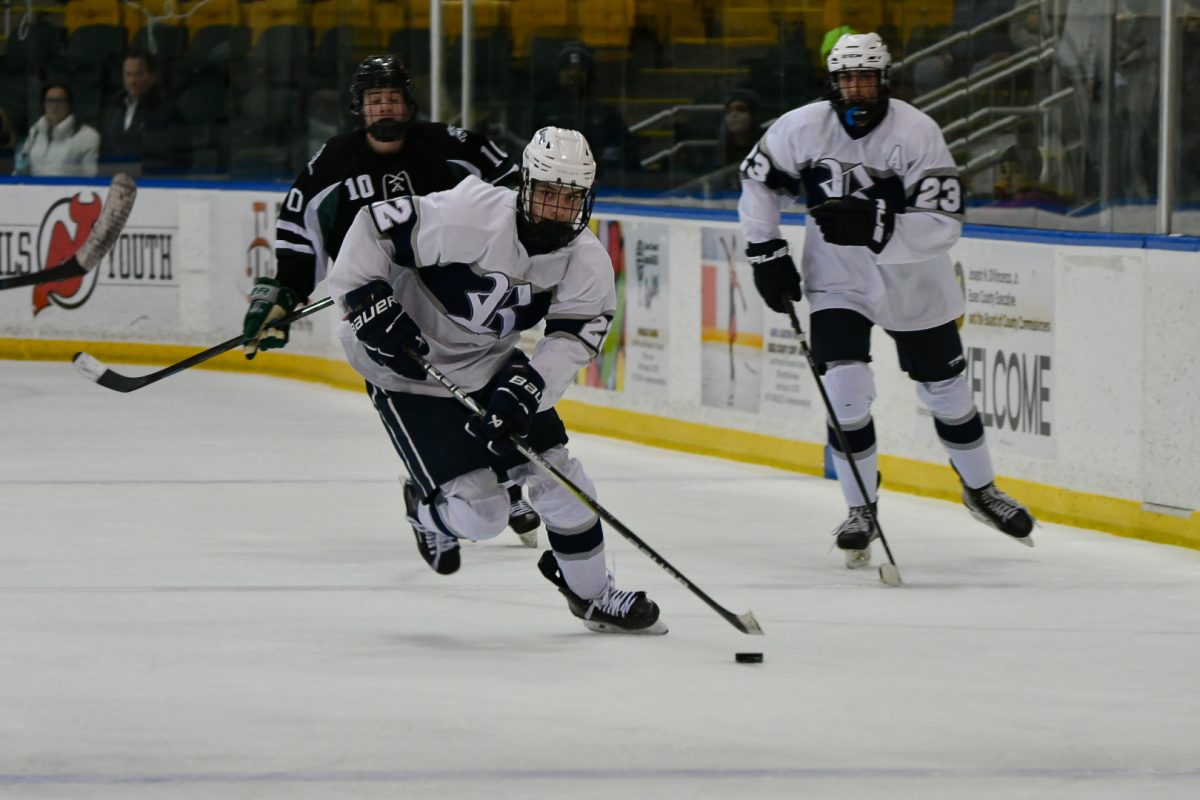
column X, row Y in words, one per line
column 460, row 272
column 911, row 284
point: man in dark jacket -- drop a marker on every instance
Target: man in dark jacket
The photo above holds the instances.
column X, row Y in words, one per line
column 137, row 127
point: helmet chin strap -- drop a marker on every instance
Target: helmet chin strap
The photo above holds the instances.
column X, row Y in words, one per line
column 388, row 130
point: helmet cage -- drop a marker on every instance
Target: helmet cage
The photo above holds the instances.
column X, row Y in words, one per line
column 381, row 72
column 557, row 158
column 544, row 229
column 860, row 53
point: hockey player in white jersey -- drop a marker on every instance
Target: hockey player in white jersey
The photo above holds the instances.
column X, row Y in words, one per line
column 885, row 205
column 456, row 276
column 389, row 153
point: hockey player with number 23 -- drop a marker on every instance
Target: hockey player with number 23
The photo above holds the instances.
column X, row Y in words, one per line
column 453, row 278
column 885, row 205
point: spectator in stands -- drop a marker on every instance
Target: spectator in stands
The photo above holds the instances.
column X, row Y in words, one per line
column 58, row 144
column 573, row 106
column 8, row 137
column 830, row 39
column 138, row 126
column 739, row 129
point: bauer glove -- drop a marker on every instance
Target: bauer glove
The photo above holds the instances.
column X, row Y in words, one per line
column 269, row 301
column 510, row 408
column 387, row 334
column 855, row 222
column 775, row 274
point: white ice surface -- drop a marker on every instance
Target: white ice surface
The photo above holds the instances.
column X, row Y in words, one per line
column 207, row 590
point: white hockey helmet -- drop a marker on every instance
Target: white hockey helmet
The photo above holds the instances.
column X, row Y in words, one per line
column 556, row 156
column 859, row 52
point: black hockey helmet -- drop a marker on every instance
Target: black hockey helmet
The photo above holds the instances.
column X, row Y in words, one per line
column 382, row 72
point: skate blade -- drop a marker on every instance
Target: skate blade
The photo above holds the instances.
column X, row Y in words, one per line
column 657, row 629
column 529, row 539
column 858, row 559
column 1026, row 540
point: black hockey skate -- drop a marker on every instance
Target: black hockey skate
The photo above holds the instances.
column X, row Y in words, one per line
column 522, row 518
column 992, row 506
column 854, row 537
column 614, row 611
column 441, row 552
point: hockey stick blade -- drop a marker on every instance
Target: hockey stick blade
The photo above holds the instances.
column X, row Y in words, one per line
column 890, row 575
column 746, row 623
column 113, row 216
column 94, row 370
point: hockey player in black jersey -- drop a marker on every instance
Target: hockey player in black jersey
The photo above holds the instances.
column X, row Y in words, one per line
column 885, row 205
column 389, row 155
column 455, row 277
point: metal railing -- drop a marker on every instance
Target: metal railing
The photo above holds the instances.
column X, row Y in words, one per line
column 970, row 33
column 667, row 113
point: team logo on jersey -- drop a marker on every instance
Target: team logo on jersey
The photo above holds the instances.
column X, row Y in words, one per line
column 397, row 185
column 495, row 310
column 843, row 180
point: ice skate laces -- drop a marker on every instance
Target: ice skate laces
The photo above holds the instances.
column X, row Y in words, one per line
column 520, row 508
column 997, row 502
column 612, row 601
column 857, row 522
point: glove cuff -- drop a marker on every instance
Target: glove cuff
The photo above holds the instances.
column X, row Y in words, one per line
column 367, row 295
column 271, row 291
column 758, row 252
column 524, row 380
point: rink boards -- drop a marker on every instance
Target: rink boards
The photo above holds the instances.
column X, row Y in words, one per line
column 1081, row 347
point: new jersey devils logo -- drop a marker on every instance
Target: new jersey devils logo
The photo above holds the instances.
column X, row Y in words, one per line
column 64, row 228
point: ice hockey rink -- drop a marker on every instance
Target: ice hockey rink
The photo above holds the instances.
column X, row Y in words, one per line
column 207, row 589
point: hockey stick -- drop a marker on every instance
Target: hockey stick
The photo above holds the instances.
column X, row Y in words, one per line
column 94, row 370
column 888, row 573
column 746, row 623
column 113, row 214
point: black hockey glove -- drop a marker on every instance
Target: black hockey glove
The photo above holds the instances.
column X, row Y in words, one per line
column 775, row 274
column 385, row 331
column 510, row 408
column 855, row 222
column 269, row 301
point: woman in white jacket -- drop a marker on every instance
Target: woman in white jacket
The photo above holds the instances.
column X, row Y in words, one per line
column 58, row 144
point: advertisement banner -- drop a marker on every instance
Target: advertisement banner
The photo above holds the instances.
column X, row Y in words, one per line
column 647, row 316
column 731, row 324
column 607, row 371
column 1009, row 336
column 248, row 253
column 134, row 289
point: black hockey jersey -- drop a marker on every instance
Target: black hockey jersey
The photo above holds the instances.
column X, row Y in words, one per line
column 346, row 174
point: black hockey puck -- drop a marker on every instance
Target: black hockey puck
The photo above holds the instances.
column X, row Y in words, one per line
column 748, row 658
